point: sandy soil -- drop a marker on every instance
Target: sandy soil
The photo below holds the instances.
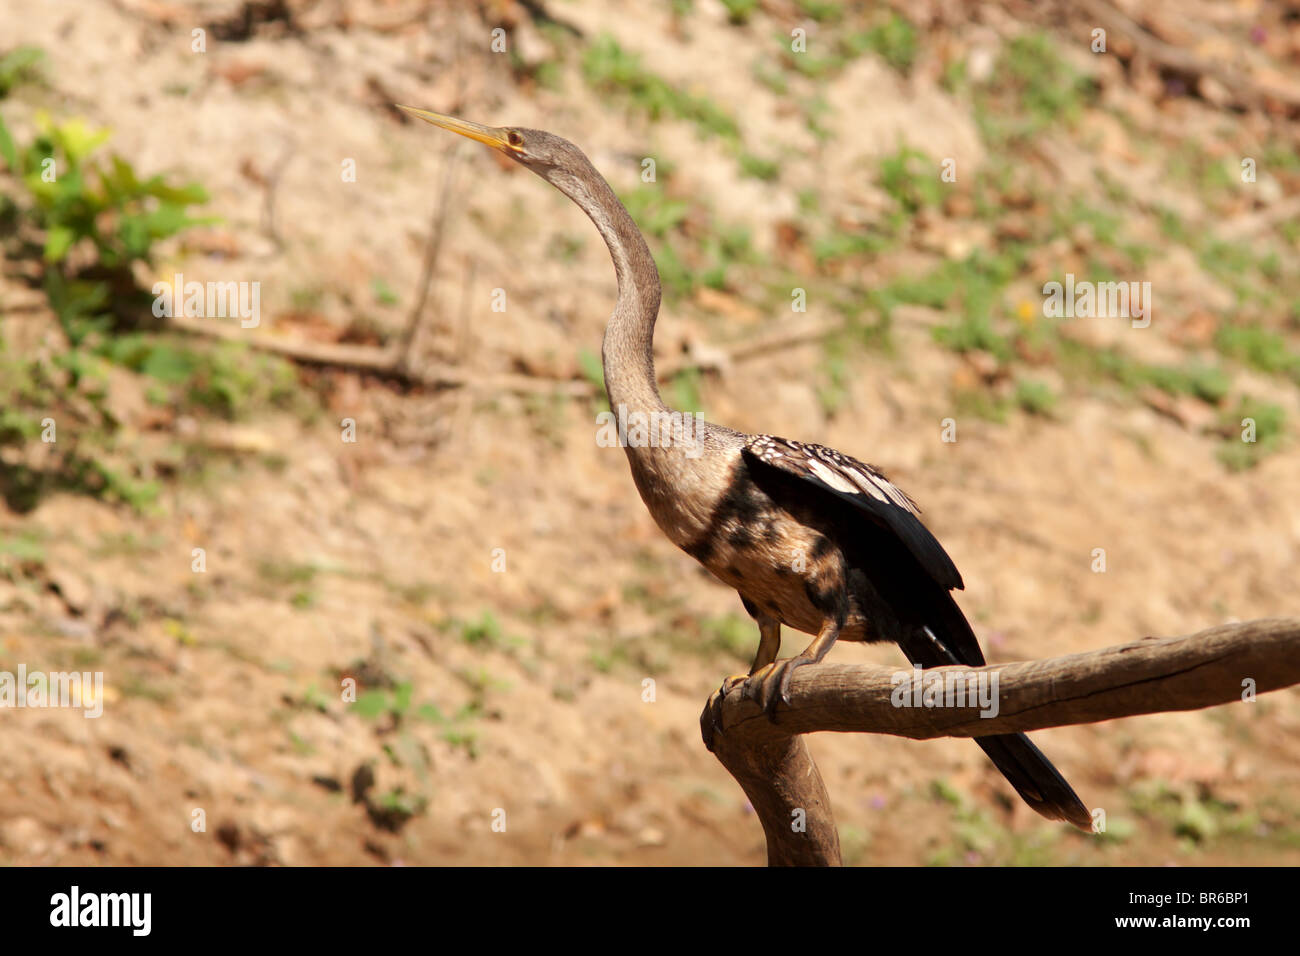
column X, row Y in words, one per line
column 375, row 559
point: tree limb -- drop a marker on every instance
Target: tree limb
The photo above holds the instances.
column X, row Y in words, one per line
column 392, row 362
column 1153, row 675
column 432, row 250
column 1244, row 90
column 384, row 362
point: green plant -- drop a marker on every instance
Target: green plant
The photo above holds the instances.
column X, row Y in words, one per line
column 383, row 293
column 226, row 378
column 1260, row 348
column 954, row 79
column 1172, row 226
column 76, row 200
column 773, row 79
column 837, row 246
column 1210, row 383
column 905, row 176
column 729, row 634
column 825, row 11
column 686, row 391
column 88, row 221
column 894, row 41
column 1262, row 421
column 1233, row 264
column 593, row 370
column 1192, row 813
column 756, row 167
column 485, row 632
column 979, row 403
column 1035, row 397
column 971, row 334
column 396, row 708
column 20, row 65
column 1046, row 85
column 978, row 839
column 1032, row 89
column 739, row 11
column 834, row 392
column 656, row 214
column 63, row 399
column 611, row 69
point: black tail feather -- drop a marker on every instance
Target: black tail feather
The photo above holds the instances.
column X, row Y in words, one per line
column 1038, row 782
column 1031, row 774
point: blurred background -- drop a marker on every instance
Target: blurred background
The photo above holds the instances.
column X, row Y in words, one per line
column 209, row 531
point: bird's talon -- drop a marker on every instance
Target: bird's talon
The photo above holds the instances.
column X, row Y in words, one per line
column 711, row 718
column 770, row 686
column 764, row 688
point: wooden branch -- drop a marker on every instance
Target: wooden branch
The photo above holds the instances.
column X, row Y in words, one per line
column 719, row 356
column 384, row 362
column 367, row 358
column 433, row 249
column 270, row 186
column 1153, row 675
column 1243, row 90
column 779, row 776
column 392, row 362
column 1243, row 226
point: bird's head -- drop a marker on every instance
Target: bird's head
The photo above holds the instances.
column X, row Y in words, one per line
column 568, row 169
column 546, row 154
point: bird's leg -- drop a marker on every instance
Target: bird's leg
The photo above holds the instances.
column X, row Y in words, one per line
column 769, row 642
column 771, row 683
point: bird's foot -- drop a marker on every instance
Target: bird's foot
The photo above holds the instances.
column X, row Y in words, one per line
column 711, row 718
column 770, row 685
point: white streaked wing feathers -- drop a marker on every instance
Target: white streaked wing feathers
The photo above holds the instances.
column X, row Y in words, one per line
column 837, row 470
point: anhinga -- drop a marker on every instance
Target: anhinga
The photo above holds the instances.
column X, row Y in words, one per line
column 809, row 537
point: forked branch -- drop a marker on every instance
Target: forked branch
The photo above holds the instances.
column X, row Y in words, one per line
column 771, row 762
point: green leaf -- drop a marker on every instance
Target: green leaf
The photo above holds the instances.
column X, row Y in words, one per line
column 134, row 232
column 18, row 66
column 431, row 713
column 79, row 139
column 593, row 370
column 167, row 220
column 170, row 365
column 119, row 182
column 8, row 151
column 190, row 194
column 57, row 243
column 371, row 704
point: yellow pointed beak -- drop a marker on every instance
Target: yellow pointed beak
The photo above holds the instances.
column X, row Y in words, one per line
column 489, row 135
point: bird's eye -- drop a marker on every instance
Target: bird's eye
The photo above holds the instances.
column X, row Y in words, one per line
column 514, row 139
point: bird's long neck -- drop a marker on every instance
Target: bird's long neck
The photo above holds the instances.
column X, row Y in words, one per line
column 680, row 480
column 628, row 349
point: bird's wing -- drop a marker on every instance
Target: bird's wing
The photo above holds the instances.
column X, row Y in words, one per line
column 862, row 486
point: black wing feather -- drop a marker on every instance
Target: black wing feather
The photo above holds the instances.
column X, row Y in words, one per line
column 862, row 486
